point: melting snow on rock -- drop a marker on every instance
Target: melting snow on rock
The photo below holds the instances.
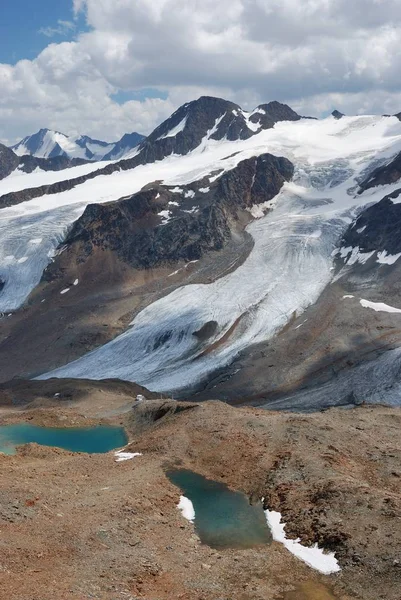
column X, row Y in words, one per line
column 313, row 556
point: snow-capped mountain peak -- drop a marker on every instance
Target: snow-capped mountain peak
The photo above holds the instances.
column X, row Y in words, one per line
column 47, row 143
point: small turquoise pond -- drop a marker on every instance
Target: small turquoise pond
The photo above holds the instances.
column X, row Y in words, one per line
column 223, row 518
column 94, row 440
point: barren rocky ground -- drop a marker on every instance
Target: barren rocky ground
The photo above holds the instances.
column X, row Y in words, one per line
column 77, row 526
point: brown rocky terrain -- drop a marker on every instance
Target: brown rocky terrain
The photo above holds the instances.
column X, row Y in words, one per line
column 78, row 526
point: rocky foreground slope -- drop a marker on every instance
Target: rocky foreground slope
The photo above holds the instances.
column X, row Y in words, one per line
column 80, row 526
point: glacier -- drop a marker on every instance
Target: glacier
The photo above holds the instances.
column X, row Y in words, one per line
column 289, row 266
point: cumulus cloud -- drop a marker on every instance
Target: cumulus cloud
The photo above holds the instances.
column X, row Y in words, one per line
column 313, row 54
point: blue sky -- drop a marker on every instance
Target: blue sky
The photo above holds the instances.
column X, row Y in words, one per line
column 22, row 23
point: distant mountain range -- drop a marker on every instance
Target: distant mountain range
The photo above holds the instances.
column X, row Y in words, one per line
column 47, row 143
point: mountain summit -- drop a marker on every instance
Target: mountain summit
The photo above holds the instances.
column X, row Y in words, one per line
column 210, row 118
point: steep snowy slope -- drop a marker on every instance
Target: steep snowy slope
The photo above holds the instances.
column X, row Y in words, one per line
column 290, row 265
column 48, row 144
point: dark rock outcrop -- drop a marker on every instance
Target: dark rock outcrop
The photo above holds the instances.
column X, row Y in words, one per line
column 8, row 161
column 29, row 163
column 377, row 228
column 337, row 114
column 161, row 224
column 267, row 115
column 383, row 175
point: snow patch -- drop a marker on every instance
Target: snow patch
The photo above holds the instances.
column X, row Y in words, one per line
column 65, row 291
column 348, row 296
column 175, row 130
column 189, row 194
column 165, row 215
column 204, row 190
column 355, row 255
column 76, row 281
column 387, row 259
column 177, row 190
column 379, row 306
column 362, row 229
column 313, row 556
column 122, row 456
column 187, row 508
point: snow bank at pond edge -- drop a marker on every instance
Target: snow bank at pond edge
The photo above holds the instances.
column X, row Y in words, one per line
column 312, row 556
column 187, row 508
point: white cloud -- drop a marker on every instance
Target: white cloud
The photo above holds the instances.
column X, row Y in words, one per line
column 314, row 54
column 62, row 28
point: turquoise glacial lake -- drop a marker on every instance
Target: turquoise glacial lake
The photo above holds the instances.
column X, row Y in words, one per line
column 94, row 440
column 223, row 518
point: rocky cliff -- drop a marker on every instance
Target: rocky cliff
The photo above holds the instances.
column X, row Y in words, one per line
column 163, row 224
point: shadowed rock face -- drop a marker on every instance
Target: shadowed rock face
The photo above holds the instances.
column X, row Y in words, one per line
column 337, row 114
column 29, row 163
column 8, row 161
column 196, row 120
column 383, row 175
column 162, row 224
column 128, row 141
column 379, row 228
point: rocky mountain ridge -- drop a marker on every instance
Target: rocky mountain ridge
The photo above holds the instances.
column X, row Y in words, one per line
column 166, row 224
